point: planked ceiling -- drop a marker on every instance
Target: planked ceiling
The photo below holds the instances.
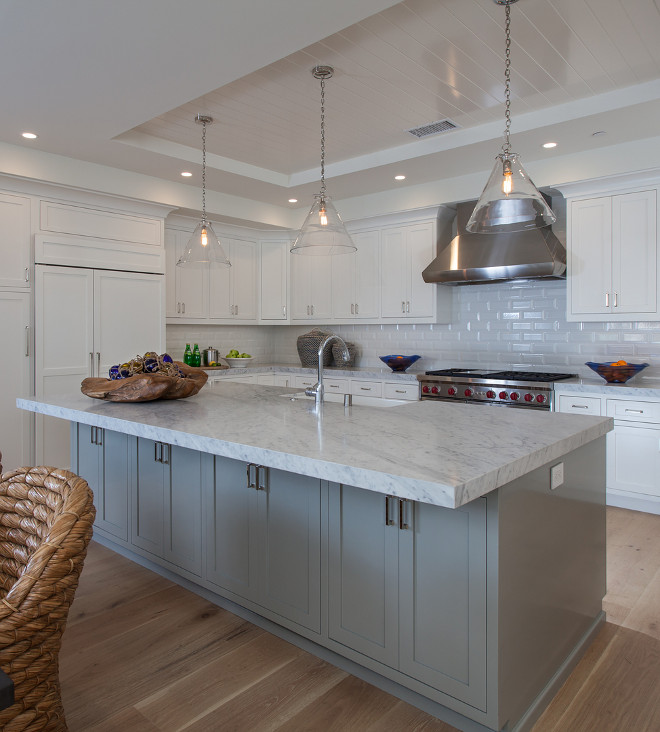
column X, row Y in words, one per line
column 578, row 67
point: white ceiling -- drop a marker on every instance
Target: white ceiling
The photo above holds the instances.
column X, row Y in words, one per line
column 119, row 83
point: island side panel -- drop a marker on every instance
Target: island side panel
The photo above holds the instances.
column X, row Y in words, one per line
column 551, row 572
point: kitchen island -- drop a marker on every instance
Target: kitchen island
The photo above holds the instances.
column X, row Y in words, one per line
column 452, row 554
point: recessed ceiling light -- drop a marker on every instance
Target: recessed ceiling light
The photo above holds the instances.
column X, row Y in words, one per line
column 293, row 200
column 29, row 135
column 186, row 174
column 399, row 177
column 549, row 144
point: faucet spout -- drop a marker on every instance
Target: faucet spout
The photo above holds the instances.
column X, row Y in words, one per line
column 318, row 389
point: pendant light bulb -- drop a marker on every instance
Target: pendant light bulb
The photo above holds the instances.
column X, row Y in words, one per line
column 510, row 201
column 323, row 232
column 203, row 248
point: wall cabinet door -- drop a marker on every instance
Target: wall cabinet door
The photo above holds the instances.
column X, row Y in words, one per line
column 103, row 460
column 15, row 234
column 356, row 279
column 363, row 573
column 233, row 290
column 613, row 260
column 274, row 266
column 16, row 362
column 311, row 287
column 86, row 320
column 442, row 635
column 189, row 300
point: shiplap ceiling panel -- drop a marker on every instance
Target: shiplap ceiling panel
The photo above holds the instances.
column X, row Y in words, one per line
column 412, row 64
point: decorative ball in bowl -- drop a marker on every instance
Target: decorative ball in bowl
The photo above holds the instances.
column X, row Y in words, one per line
column 239, row 362
column 617, row 372
column 398, row 362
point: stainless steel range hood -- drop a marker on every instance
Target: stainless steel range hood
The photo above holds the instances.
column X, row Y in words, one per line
column 479, row 258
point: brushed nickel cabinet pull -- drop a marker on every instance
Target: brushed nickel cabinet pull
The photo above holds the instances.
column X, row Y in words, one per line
column 165, row 454
column 352, row 308
column 607, row 299
column 284, row 311
column 403, row 306
column 98, row 363
column 91, row 363
column 27, row 340
column 635, row 411
column 312, row 310
column 616, row 299
column 356, row 309
column 183, row 307
column 579, row 406
column 155, row 452
column 402, row 522
column 99, row 435
column 389, row 521
column 27, row 274
column 178, row 307
column 262, row 477
column 250, row 484
column 407, row 306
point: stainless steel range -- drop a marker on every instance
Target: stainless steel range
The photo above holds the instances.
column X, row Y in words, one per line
column 528, row 389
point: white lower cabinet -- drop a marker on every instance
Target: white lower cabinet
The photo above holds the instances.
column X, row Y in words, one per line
column 167, row 503
column 389, row 564
column 264, row 539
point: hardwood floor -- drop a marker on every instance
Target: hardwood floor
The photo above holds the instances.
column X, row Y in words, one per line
column 142, row 654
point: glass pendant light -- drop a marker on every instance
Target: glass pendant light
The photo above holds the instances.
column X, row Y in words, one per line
column 323, row 231
column 510, row 201
column 203, row 249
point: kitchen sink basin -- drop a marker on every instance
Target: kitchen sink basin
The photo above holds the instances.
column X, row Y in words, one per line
column 358, row 401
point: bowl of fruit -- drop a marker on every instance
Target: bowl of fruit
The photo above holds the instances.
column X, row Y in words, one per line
column 617, row 372
column 236, row 359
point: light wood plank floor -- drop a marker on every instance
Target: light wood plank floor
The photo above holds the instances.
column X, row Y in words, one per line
column 141, row 654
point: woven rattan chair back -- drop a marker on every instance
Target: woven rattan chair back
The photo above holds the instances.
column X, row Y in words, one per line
column 46, row 518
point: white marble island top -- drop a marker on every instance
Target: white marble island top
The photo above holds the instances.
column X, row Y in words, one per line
column 440, row 453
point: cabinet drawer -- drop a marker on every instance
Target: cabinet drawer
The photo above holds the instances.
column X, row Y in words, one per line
column 302, row 382
column 341, row 386
column 401, row 391
column 367, row 388
column 633, row 411
column 579, row 404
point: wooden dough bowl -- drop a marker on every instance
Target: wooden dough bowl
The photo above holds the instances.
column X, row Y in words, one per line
column 147, row 387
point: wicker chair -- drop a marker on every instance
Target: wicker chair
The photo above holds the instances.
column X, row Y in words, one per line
column 46, row 518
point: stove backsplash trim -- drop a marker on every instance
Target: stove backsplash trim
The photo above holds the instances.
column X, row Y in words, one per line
column 508, row 325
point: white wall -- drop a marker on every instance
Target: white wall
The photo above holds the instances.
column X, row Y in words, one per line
column 512, row 324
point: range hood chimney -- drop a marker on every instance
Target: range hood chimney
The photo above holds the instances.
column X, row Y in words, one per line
column 479, row 258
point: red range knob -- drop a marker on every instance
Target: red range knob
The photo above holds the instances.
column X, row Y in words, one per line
column 490, row 394
column 515, row 396
column 541, row 398
column 468, row 392
column 425, row 389
column 451, row 391
column 503, row 395
column 529, row 397
column 434, row 390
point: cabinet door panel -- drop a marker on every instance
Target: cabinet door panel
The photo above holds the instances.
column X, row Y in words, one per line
column 274, row 263
column 244, row 279
column 633, row 459
column 112, row 510
column 362, row 574
column 443, row 634
column 590, row 263
column 367, row 274
column 148, row 498
column 191, row 284
column 231, row 552
column 634, row 248
column 14, row 422
column 343, row 286
column 420, row 253
column 393, row 273
column 14, row 240
column 291, row 550
column 183, row 509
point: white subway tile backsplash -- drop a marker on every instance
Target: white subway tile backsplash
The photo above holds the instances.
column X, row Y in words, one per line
column 507, row 325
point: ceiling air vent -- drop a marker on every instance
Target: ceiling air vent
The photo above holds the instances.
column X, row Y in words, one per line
column 433, row 128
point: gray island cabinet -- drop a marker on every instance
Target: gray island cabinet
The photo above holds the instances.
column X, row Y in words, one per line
column 467, row 582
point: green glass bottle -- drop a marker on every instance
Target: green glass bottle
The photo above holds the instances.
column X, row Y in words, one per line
column 196, row 356
column 187, row 355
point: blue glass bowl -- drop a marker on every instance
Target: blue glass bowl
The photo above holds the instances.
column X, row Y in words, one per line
column 397, row 362
column 616, row 374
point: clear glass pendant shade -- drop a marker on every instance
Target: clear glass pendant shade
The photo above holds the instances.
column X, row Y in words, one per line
column 203, row 249
column 323, row 231
column 510, row 201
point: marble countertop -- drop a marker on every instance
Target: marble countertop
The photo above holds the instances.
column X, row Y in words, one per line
column 440, row 453
column 636, row 387
column 356, row 372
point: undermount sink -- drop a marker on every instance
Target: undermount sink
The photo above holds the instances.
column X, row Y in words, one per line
column 358, row 401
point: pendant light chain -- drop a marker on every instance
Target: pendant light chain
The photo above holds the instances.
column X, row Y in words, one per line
column 204, row 171
column 323, row 137
column 506, row 147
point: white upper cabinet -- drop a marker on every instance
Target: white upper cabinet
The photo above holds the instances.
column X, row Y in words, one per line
column 233, row 290
column 613, row 258
column 356, row 279
column 14, row 241
column 273, row 280
column 187, row 287
column 311, row 286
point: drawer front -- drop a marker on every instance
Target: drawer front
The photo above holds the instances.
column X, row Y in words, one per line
column 341, row 386
column 580, row 404
column 401, row 391
column 633, row 411
column 302, row 382
column 367, row 388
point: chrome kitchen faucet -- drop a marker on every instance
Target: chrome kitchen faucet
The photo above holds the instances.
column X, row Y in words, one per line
column 317, row 390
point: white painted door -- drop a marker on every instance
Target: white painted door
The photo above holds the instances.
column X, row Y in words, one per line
column 244, row 279
column 394, row 294
column 367, row 274
column 129, row 317
column 171, row 257
column 64, row 349
column 191, row 285
column 321, row 286
column 16, row 357
column 301, row 286
column 420, row 251
column 14, row 241
column 633, row 459
column 343, row 285
column 634, row 253
column 590, row 256
column 274, row 263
